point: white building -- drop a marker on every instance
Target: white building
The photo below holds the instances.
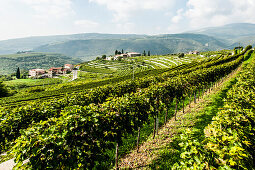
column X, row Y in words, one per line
column 36, row 72
column 75, row 73
column 133, row 54
column 69, row 66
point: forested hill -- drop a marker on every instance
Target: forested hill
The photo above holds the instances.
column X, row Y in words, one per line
column 10, row 63
column 161, row 44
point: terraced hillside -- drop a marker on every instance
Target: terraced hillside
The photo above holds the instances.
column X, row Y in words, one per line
column 131, row 65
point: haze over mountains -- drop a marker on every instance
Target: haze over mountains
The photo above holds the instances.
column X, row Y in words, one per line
column 89, row 45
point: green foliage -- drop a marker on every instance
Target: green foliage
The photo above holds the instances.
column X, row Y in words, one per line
column 229, row 140
column 96, row 127
column 35, row 89
column 3, row 90
column 103, row 56
column 181, row 55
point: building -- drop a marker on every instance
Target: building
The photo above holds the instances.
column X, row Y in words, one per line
column 75, row 73
column 69, row 66
column 58, row 70
column 36, row 72
column 133, row 54
column 109, row 58
column 194, row 52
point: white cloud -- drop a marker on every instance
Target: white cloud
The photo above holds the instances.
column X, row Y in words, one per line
column 124, row 9
column 178, row 17
column 48, row 9
column 86, row 24
column 204, row 13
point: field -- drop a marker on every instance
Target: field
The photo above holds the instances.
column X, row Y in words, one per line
column 154, row 112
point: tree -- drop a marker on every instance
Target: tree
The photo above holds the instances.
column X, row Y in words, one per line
column 18, row 73
column 98, row 58
column 122, row 52
column 149, row 53
column 144, row 53
column 104, row 56
column 181, row 55
column 3, row 90
column 116, row 52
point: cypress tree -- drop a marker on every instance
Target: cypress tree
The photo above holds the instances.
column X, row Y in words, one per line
column 18, row 73
column 149, row 53
column 122, row 52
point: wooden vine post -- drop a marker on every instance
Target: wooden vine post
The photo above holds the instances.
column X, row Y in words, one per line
column 176, row 107
column 116, row 157
column 167, row 102
column 183, row 105
column 198, row 94
column 157, row 124
column 154, row 130
column 138, row 139
column 166, row 115
column 189, row 99
column 203, row 91
column 195, row 97
column 157, row 120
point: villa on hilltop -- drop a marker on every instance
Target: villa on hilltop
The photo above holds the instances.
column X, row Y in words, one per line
column 126, row 55
column 194, row 52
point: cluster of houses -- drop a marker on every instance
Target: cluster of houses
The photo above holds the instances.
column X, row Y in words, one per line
column 126, row 55
column 54, row 71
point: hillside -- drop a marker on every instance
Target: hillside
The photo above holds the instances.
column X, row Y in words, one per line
column 231, row 34
column 29, row 43
column 88, row 45
column 161, row 44
column 10, row 63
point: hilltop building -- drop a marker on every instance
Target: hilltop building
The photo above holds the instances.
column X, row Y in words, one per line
column 194, row 52
column 69, row 66
column 36, row 72
column 133, row 54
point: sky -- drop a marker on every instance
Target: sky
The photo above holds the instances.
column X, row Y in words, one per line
column 23, row 18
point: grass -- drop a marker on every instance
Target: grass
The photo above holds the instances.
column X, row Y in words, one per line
column 23, row 83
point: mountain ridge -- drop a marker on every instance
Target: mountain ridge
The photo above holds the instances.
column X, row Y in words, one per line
column 222, row 37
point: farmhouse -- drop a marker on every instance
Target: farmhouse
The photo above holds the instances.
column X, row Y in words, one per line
column 36, row 72
column 109, row 58
column 133, row 54
column 194, row 52
column 69, row 66
column 58, row 70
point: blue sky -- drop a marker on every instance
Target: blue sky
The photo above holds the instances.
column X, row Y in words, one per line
column 22, row 18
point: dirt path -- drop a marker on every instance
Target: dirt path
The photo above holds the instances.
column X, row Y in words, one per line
column 150, row 150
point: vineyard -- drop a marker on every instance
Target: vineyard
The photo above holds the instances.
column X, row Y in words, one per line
column 91, row 125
